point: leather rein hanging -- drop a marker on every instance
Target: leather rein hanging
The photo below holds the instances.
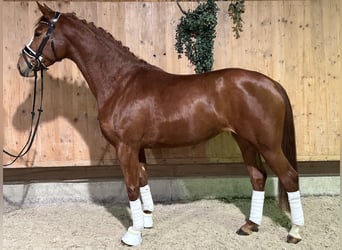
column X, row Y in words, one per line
column 39, row 66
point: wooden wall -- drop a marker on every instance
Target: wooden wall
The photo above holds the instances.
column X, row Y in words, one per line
column 298, row 43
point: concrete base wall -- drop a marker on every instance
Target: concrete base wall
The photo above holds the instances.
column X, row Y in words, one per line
column 17, row 195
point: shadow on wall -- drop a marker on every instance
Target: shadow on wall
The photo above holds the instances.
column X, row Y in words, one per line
column 74, row 102
column 81, row 114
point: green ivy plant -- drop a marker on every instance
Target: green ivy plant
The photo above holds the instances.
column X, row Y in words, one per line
column 235, row 10
column 195, row 35
column 195, row 32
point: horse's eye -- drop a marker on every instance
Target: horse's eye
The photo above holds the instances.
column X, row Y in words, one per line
column 37, row 33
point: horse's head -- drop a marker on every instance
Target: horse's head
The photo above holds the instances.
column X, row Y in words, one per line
column 46, row 46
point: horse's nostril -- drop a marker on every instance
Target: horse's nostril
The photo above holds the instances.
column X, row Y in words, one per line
column 20, row 69
column 24, row 71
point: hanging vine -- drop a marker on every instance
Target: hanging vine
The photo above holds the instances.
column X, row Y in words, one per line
column 195, row 32
column 195, row 35
column 235, row 10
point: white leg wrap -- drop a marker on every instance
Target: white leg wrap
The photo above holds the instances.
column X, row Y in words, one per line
column 137, row 215
column 146, row 198
column 148, row 205
column 297, row 216
column 133, row 235
column 148, row 220
column 257, row 206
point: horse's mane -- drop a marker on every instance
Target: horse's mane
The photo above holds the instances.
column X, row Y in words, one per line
column 102, row 33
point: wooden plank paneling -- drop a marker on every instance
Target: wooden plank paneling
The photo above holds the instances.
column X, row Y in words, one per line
column 294, row 42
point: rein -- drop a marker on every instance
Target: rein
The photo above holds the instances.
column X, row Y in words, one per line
column 28, row 52
column 34, row 128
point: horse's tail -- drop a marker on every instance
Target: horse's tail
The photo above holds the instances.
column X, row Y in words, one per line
column 288, row 146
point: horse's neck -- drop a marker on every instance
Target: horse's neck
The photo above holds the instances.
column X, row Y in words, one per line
column 103, row 66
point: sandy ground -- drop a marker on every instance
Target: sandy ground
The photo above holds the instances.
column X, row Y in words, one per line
column 203, row 224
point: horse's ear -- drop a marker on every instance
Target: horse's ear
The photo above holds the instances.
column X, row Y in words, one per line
column 46, row 11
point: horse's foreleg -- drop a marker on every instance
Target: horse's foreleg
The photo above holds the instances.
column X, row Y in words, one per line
column 130, row 167
column 258, row 179
column 145, row 191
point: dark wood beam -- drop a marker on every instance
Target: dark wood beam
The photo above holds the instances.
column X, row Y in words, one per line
column 49, row 174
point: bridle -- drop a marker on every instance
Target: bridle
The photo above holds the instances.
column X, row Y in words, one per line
column 29, row 52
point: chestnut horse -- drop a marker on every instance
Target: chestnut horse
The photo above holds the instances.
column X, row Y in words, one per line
column 141, row 106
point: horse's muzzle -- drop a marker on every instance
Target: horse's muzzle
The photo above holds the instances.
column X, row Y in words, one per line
column 23, row 68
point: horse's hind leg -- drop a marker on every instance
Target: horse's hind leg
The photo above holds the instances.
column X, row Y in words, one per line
column 288, row 176
column 145, row 191
column 258, row 179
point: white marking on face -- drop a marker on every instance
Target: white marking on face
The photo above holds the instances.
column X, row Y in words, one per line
column 29, row 44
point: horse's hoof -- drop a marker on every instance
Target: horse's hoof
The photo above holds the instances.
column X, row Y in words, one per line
column 248, row 228
column 148, row 220
column 132, row 237
column 241, row 232
column 293, row 240
column 294, row 235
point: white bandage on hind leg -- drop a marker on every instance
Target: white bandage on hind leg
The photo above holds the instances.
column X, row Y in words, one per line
column 257, row 206
column 146, row 198
column 297, row 216
column 137, row 215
